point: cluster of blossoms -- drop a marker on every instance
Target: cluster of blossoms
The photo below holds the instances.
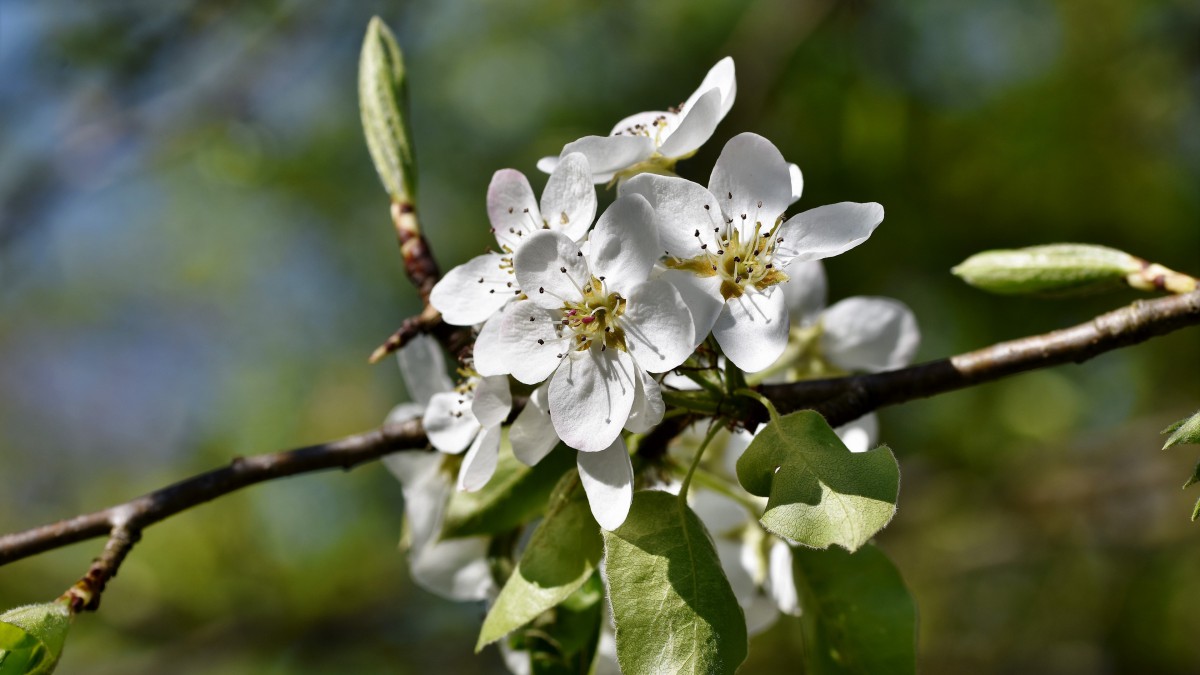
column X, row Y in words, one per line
column 592, row 317
column 591, row 322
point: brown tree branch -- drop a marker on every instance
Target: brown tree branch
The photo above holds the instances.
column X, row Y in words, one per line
column 123, row 523
column 844, row 399
column 840, row 400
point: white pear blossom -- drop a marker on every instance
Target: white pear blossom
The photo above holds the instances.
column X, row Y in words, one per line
column 655, row 141
column 596, row 325
column 466, row 417
column 474, row 291
column 728, row 246
column 453, row 568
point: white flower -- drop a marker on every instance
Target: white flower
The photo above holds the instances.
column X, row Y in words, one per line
column 654, row 141
column 474, row 291
column 457, row 418
column 858, row 334
column 728, row 246
column 596, row 325
column 453, row 568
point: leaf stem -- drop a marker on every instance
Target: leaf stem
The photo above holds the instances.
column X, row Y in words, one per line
column 713, row 428
column 750, row 393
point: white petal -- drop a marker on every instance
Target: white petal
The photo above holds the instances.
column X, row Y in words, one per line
column 547, row 164
column 607, row 478
column 780, row 582
column 454, row 568
column 721, row 515
column 569, row 200
column 520, row 341
column 702, row 297
column 405, row 412
column 423, row 368
column 684, row 224
column 425, row 490
column 656, row 124
column 532, row 434
column 480, row 461
column 512, row 208
column 752, row 170
column 860, row 435
column 735, row 447
column 869, row 334
column 493, row 401
column 648, row 407
column 449, row 423
column 610, row 154
column 740, row 580
column 827, row 231
column 623, row 247
column 722, row 77
column 797, row 182
column 805, row 291
column 472, row 292
column 696, row 125
column 753, row 329
column 590, row 395
column 658, row 327
column 518, row 661
column 551, row 269
column 761, row 614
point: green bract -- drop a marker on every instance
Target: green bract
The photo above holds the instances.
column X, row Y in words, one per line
column 383, row 104
column 1054, row 268
column 672, row 604
column 561, row 556
column 32, row 637
column 858, row 617
column 819, row 492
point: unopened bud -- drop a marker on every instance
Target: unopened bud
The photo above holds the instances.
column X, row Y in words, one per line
column 383, row 104
column 1052, row 269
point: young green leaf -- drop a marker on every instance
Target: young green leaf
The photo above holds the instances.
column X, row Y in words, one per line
column 1185, row 431
column 563, row 641
column 857, row 616
column 561, row 556
column 672, row 604
column 32, row 637
column 819, row 493
column 515, row 494
column 1054, row 268
column 383, row 104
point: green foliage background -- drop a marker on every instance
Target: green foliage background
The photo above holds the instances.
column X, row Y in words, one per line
column 196, row 259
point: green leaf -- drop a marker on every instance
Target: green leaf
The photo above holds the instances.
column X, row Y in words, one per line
column 1196, row 511
column 32, row 637
column 561, row 556
column 1054, row 268
column 673, row 607
column 857, row 615
column 1185, row 431
column 563, row 640
column 515, row 494
column 819, row 492
column 383, row 104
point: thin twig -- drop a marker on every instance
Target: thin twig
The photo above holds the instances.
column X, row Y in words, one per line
column 137, row 514
column 844, row 399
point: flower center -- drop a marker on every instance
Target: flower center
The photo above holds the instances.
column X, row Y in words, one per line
column 595, row 318
column 743, row 259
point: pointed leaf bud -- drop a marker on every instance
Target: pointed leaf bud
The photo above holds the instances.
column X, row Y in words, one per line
column 383, row 103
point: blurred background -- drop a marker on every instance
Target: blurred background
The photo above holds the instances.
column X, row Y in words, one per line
column 196, row 259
